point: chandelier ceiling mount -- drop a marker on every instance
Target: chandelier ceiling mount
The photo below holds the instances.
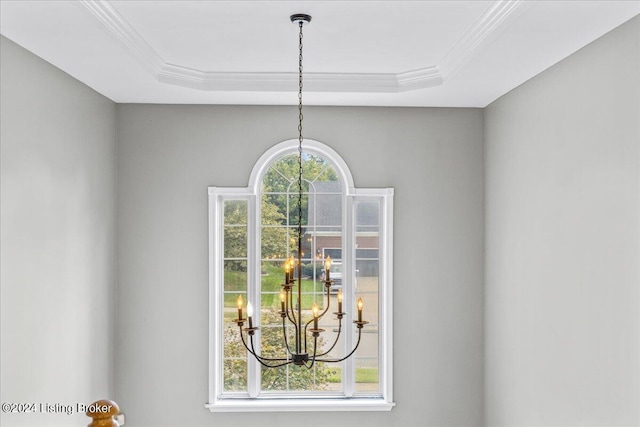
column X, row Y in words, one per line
column 300, row 18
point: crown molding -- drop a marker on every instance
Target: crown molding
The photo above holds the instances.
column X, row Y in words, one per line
column 493, row 18
column 123, row 31
column 419, row 79
column 463, row 51
column 313, row 82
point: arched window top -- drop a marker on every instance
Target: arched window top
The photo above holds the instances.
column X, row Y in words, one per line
column 310, row 147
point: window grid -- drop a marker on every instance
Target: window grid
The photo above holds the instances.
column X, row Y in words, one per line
column 353, row 197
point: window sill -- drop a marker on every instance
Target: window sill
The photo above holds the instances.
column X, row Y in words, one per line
column 300, row 405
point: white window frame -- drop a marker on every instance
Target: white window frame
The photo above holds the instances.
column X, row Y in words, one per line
column 251, row 401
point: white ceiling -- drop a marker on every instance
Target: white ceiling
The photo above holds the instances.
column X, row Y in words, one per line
column 387, row 53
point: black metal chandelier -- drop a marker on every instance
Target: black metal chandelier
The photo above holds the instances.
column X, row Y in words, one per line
column 299, row 353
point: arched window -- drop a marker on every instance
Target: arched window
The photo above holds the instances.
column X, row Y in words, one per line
column 253, row 230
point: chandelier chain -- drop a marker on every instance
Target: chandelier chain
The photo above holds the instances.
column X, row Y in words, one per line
column 302, row 355
column 300, row 118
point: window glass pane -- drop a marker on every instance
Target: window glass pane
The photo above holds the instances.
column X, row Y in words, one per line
column 235, row 284
column 285, row 170
column 274, row 209
column 367, row 264
column 235, row 276
column 367, row 215
column 292, row 207
column 234, row 353
column 321, row 210
column 367, row 375
column 235, row 229
column 235, row 241
column 275, row 379
column 271, row 277
column 299, row 378
column 235, row 212
column 367, row 357
column 318, row 169
column 234, row 361
column 325, row 210
column 278, row 242
column 278, row 179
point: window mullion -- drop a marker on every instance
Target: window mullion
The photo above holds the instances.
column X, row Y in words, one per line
column 385, row 326
column 253, row 291
column 348, row 251
column 215, row 295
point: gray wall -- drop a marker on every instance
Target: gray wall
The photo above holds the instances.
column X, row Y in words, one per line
column 58, row 239
column 561, row 169
column 563, row 242
column 168, row 155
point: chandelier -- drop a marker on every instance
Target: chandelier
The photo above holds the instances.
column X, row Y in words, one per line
column 299, row 353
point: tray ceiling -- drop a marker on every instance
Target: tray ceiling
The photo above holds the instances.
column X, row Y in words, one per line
column 396, row 53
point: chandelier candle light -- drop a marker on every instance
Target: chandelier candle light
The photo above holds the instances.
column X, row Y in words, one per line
column 300, row 354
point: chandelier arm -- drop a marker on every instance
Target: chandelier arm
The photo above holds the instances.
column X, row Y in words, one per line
column 319, row 317
column 290, row 305
column 306, row 325
column 262, row 359
column 298, row 312
column 325, row 309
column 299, row 324
column 348, row 355
column 336, row 340
column 321, row 314
column 252, row 350
column 291, row 315
column 284, row 334
column 313, row 358
column 245, row 344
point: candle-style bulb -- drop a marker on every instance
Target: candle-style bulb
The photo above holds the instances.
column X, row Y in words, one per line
column 327, row 269
column 239, row 303
column 282, row 296
column 292, row 263
column 249, row 309
column 360, row 304
column 250, row 314
column 340, row 295
column 287, row 272
column 327, row 263
column 315, row 309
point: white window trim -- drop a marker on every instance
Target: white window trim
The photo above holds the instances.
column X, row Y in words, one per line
column 249, row 402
